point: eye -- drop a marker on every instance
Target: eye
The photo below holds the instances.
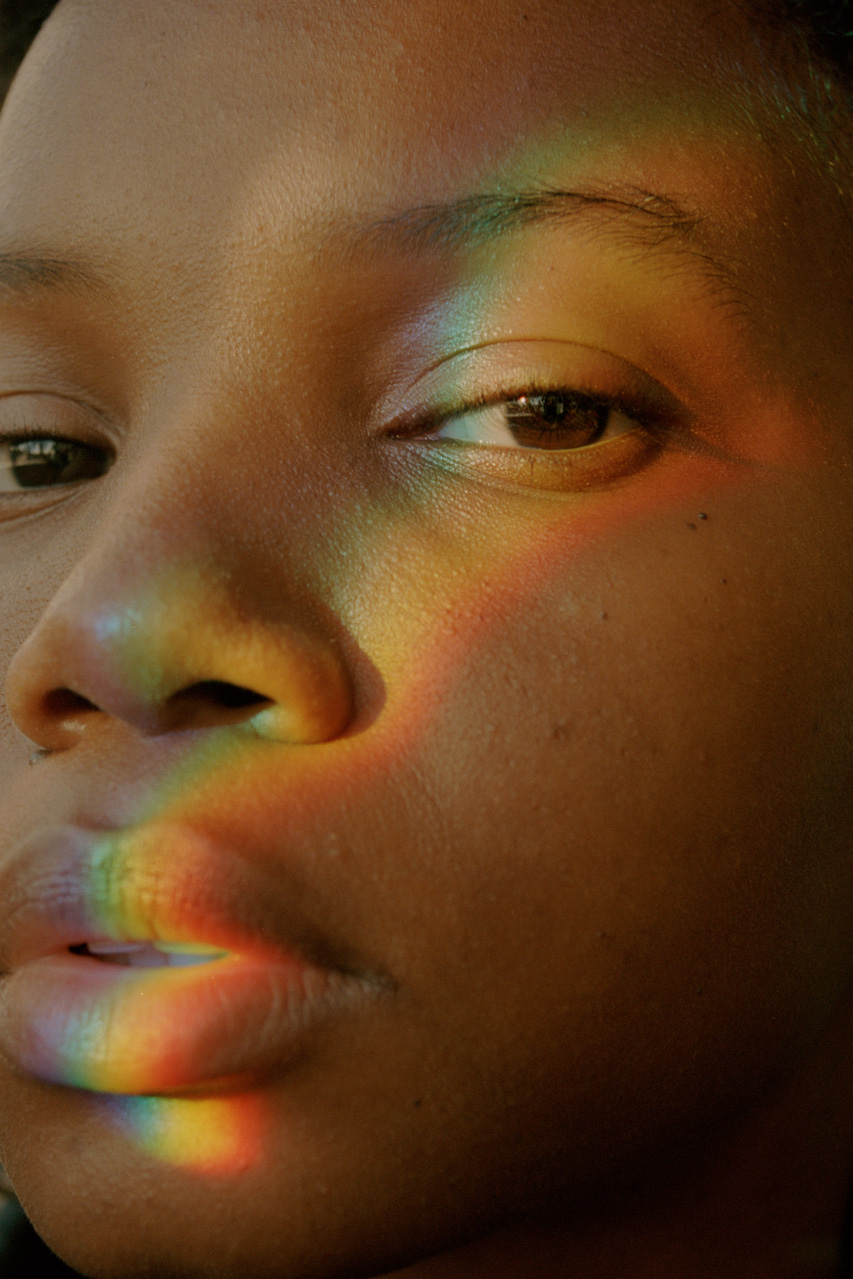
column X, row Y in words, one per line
column 48, row 461
column 538, row 420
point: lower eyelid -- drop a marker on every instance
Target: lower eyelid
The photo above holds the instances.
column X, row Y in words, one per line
column 589, row 467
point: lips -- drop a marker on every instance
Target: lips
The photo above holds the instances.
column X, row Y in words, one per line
column 154, row 961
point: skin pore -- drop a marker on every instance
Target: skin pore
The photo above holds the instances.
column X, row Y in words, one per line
column 545, row 752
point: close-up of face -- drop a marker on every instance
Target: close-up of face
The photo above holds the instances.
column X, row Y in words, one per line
column 426, row 557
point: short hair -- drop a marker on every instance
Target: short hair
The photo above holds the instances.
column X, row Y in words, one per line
column 805, row 50
column 19, row 24
column 827, row 26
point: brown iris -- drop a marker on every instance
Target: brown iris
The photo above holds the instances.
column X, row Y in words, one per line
column 556, row 420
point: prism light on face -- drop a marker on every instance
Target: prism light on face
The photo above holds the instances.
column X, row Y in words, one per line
column 434, row 615
column 208, row 1136
column 211, row 987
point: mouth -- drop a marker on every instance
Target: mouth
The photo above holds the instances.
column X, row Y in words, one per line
column 153, row 961
column 148, row 954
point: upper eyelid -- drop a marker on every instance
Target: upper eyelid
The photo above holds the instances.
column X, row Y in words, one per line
column 91, row 425
column 536, row 364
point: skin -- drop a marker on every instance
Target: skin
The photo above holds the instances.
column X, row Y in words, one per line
column 581, row 793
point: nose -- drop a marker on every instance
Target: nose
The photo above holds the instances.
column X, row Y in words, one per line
column 181, row 648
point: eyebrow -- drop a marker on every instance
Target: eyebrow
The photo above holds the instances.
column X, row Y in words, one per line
column 645, row 219
column 479, row 218
column 26, row 272
column 641, row 219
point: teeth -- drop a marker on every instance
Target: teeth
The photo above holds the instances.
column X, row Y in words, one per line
column 152, row 954
column 114, row 947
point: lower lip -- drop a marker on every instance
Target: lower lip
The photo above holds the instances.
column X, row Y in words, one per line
column 71, row 1019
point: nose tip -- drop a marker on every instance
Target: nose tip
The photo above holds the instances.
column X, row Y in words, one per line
column 186, row 660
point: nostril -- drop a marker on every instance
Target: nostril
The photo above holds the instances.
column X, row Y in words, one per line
column 211, row 702
column 208, row 702
column 62, row 702
column 205, row 704
column 220, row 692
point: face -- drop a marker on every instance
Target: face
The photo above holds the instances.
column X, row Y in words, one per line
column 425, row 553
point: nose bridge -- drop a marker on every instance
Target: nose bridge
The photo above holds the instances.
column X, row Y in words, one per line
column 165, row 632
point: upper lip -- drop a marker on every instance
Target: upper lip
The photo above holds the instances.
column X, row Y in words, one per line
column 68, row 884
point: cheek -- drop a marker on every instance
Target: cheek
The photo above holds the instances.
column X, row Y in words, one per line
column 637, row 839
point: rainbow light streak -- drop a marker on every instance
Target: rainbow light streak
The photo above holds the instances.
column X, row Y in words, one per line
column 118, row 1043
column 211, row 1136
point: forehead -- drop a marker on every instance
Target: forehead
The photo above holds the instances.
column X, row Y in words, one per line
column 213, row 161
column 303, row 110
